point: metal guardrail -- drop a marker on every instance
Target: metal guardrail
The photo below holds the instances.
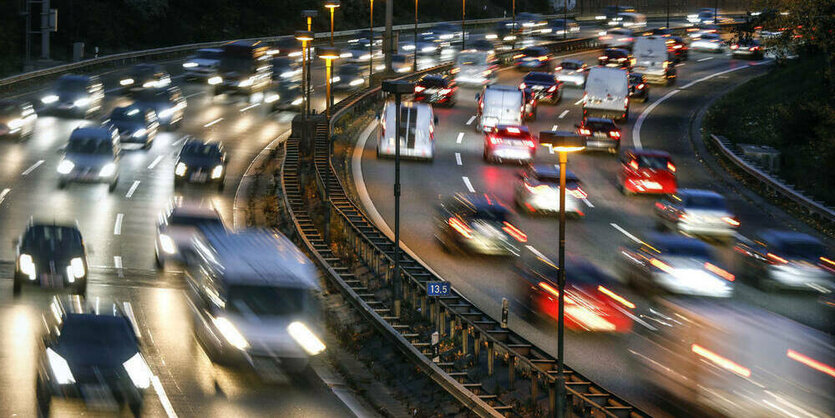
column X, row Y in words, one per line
column 770, row 183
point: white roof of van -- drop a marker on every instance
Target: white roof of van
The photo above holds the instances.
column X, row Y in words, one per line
column 603, row 81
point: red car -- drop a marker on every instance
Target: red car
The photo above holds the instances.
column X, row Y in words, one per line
column 647, row 171
column 594, row 301
column 677, row 48
column 509, row 143
column 436, row 89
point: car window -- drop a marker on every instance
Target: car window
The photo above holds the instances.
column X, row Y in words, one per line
column 799, row 248
column 687, row 250
column 52, row 237
column 600, row 125
column 71, row 84
column 200, row 150
column 109, row 332
column 570, row 66
column 704, row 202
column 534, row 52
column 212, row 55
column 433, row 82
column 654, row 162
column 191, row 220
column 493, row 213
column 89, row 146
column 540, row 77
column 266, row 300
column 129, row 114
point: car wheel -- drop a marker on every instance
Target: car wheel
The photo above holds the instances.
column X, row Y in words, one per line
column 220, row 186
column 81, row 289
column 158, row 263
column 43, row 398
column 17, row 286
column 147, row 145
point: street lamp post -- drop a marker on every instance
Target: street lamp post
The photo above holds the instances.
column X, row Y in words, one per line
column 328, row 54
column 332, row 5
column 308, row 15
column 371, row 44
column 463, row 22
column 668, row 14
column 562, row 142
column 513, row 28
column 304, row 36
column 414, row 67
column 398, row 88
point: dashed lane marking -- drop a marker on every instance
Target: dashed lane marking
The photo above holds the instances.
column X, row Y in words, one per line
column 470, row 122
column 625, row 232
column 460, row 137
column 705, row 59
column 579, row 102
column 458, row 158
column 179, row 141
column 117, row 227
column 155, row 162
column 564, row 112
column 554, row 128
column 117, row 262
column 250, row 107
column 132, row 189
column 468, row 184
column 589, row 204
column 32, row 168
column 212, row 122
column 3, row 194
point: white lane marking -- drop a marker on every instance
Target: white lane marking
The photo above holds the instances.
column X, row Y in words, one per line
column 199, row 93
column 32, row 168
column 163, row 398
column 586, row 201
column 708, row 77
column 470, row 122
column 250, row 107
column 636, row 130
column 117, row 227
column 680, row 65
column 468, row 184
column 554, row 128
column 458, row 158
column 117, row 262
column 3, row 194
column 578, row 102
column 179, row 141
column 155, row 162
column 625, row 232
column 562, row 115
column 132, row 189
column 705, row 59
column 460, row 137
column 212, row 122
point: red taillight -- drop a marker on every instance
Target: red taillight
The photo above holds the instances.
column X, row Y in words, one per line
column 446, row 91
column 522, row 86
column 671, row 167
column 558, row 69
column 618, row 298
column 719, row 272
column 552, row 89
column 659, row 206
column 584, row 131
column 721, row 361
column 633, row 164
column 530, row 143
column 614, row 134
column 776, row 258
column 419, row 89
column 514, row 232
column 495, row 140
column 734, row 46
column 731, row 221
column 578, row 193
column 461, row 227
column 640, row 86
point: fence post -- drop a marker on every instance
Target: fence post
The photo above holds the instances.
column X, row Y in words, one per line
column 511, row 371
column 490, row 358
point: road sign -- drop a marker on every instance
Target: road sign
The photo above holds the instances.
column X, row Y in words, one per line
column 438, row 289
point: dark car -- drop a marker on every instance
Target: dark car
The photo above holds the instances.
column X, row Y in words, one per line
column 777, row 259
column 662, row 32
column 285, row 96
column 168, row 103
column 17, row 118
column 544, row 86
column 289, row 47
column 747, row 48
column 638, row 87
column 561, row 27
column 479, row 224
column 51, row 256
column 90, row 354
column 436, row 89
column 534, row 57
column 677, row 49
column 349, row 77
column 145, row 76
column 201, row 162
column 600, row 133
column 135, row 125
column 286, row 69
column 616, row 57
column 482, row 45
column 74, row 96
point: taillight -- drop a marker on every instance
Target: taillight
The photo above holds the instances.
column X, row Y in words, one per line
column 552, row 89
column 603, row 57
column 446, row 91
column 584, row 131
column 419, row 89
column 734, row 46
column 661, row 265
column 495, row 140
column 671, row 167
column 683, row 217
column 719, row 272
column 522, row 86
column 677, row 46
column 633, row 164
column 616, row 297
column 514, row 232
column 543, row 58
column 776, row 258
column 578, row 193
column 732, row 221
column 614, row 134
column 461, row 227
column 640, row 86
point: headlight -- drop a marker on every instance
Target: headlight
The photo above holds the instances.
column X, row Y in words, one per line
column 180, row 169
column 15, row 123
column 428, row 49
column 217, row 171
column 126, row 81
column 345, row 55
column 167, row 244
column 166, row 113
column 149, row 84
column 357, row 82
column 49, row 99
column 245, row 83
column 139, row 132
column 232, row 335
column 189, row 64
column 138, row 371
column 107, row 170
column 27, row 266
column 271, row 97
column 215, row 80
column 65, row 167
column 296, row 102
column 491, row 36
column 288, row 74
column 60, row 368
column 77, row 267
column 306, row 338
column 335, row 79
column 84, row 101
column 365, row 57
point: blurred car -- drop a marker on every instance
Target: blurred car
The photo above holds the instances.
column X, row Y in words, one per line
column 544, row 86
column 534, row 57
column 399, row 63
column 74, row 95
column 168, row 103
column 446, row 33
column 646, row 171
column 677, row 49
column 509, row 143
column 286, row 70
column 203, row 64
column 617, row 38
column 708, row 42
column 615, row 57
column 697, row 212
column 425, row 46
column 91, row 353
column 747, row 48
column 135, row 125
column 600, row 133
column 537, row 190
column 675, row 264
column 285, row 96
column 201, row 162
column 504, row 32
column 480, row 45
column 572, row 72
column 478, row 224
column 611, row 12
column 17, row 118
column 560, row 27
column 437, row 89
column 594, row 301
column 700, row 30
column 177, row 227
column 145, row 76
column 349, row 77
column 91, row 156
column 475, row 67
column 51, row 255
column 290, row 47
column 777, row 259
column 662, row 32
column 638, row 87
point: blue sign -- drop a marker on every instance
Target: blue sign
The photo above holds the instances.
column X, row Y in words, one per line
column 438, row 289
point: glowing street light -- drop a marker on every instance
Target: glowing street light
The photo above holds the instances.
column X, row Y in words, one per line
column 328, row 54
column 332, row 5
column 304, row 36
column 308, row 15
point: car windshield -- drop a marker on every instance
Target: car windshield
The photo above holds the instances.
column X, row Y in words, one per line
column 267, row 300
column 52, row 237
column 687, row 249
column 194, row 220
column 492, row 213
column 534, row 52
column 144, row 72
column 570, row 66
column 127, row 114
column 348, row 70
column 90, row 146
column 200, row 150
column 209, row 55
column 636, row 78
column 472, row 58
column 152, row 96
column 553, row 179
column 433, row 82
column 71, row 85
column 616, row 53
column 601, row 125
column 705, row 202
column 539, row 78
column 710, row 37
column 654, row 162
column 281, row 62
column 801, row 248
column 8, row 108
column 87, row 330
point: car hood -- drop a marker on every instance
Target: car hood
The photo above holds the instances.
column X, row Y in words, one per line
column 88, row 356
column 193, row 161
column 267, row 334
column 49, row 260
column 88, row 160
column 204, row 62
column 70, row 96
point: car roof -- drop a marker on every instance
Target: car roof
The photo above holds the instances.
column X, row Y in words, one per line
column 435, row 77
column 778, row 235
column 535, row 49
column 63, row 305
column 501, row 87
column 96, row 131
column 480, row 201
column 209, row 50
column 551, row 170
column 600, row 120
column 698, row 193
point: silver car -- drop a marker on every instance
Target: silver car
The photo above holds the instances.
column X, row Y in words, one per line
column 572, row 72
column 786, row 259
column 538, row 191
column 697, row 213
column 91, row 156
column 176, row 228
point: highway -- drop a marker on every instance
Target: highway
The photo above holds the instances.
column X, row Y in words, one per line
column 611, row 218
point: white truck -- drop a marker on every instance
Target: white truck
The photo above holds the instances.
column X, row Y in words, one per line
column 607, row 93
column 652, row 60
column 499, row 105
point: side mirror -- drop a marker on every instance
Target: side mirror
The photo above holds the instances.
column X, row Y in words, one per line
column 436, row 120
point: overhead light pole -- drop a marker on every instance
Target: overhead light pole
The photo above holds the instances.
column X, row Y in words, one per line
column 565, row 20
column 304, row 36
column 414, row 67
column 463, row 22
column 371, row 44
column 398, row 88
column 563, row 142
column 513, row 28
column 332, row 5
column 308, row 15
column 328, row 54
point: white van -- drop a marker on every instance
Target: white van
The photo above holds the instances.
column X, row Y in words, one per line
column 252, row 294
column 499, row 105
column 607, row 93
column 652, row 59
column 417, row 131
column 475, row 68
